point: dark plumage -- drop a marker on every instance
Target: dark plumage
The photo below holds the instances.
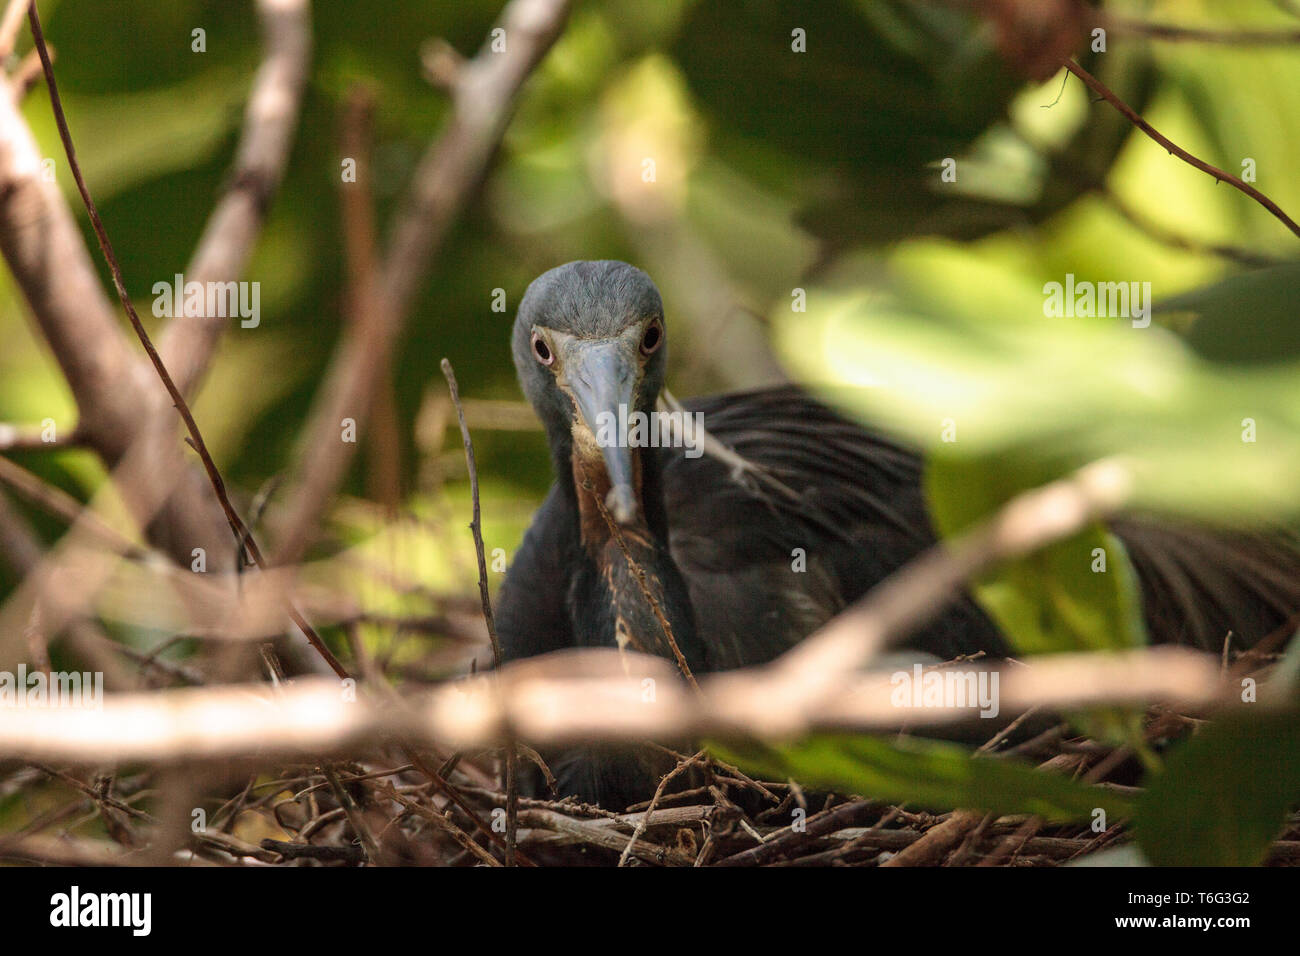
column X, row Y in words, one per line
column 719, row 554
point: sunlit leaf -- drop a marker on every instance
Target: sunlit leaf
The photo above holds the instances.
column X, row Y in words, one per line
column 925, row 773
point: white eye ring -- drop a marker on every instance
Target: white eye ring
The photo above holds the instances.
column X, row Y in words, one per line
column 653, row 337
column 541, row 351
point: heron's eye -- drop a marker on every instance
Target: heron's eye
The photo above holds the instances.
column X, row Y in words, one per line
column 542, row 350
column 653, row 337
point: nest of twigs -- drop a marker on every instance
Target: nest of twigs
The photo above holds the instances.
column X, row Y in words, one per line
column 451, row 810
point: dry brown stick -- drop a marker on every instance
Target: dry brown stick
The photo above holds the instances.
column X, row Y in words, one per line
column 353, row 813
column 786, row 841
column 1013, row 844
column 582, row 695
column 1169, row 237
column 65, row 851
column 21, row 549
column 1105, row 92
column 1092, row 180
column 827, row 660
column 476, row 528
column 308, row 851
column 433, row 816
column 483, row 100
column 52, row 266
column 31, row 438
column 28, row 73
column 599, row 833
column 682, row 767
column 357, row 206
column 586, row 695
column 58, row 502
column 452, row 793
column 10, row 25
column 237, row 526
column 933, row 846
column 475, row 524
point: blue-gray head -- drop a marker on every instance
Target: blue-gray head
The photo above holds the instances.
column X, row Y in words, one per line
column 589, row 337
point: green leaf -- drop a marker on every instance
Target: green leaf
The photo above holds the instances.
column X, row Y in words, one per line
column 925, row 773
column 1042, row 396
column 1224, row 794
column 1078, row 594
column 1245, row 318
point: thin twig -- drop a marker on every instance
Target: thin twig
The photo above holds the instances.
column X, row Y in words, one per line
column 476, row 528
column 682, row 767
column 188, row 343
column 237, row 526
column 453, row 167
column 1102, row 90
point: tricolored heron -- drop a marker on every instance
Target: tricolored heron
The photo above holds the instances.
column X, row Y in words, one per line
column 717, row 551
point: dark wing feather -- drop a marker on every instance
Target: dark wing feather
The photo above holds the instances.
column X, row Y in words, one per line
column 861, row 514
column 1198, row 584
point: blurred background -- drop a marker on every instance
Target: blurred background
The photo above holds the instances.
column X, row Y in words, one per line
column 792, row 206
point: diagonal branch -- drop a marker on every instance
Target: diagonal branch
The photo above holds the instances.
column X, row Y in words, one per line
column 241, row 532
column 1102, row 90
column 43, row 245
column 188, row 343
column 483, row 100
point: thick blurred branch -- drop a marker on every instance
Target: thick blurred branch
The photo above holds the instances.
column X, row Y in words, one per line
column 582, row 696
column 189, row 343
column 241, row 532
column 34, row 438
column 51, row 265
column 592, row 695
column 1132, row 26
column 484, row 95
column 12, row 22
column 483, row 99
column 116, row 394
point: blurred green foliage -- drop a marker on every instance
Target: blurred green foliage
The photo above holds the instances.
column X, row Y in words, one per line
column 776, row 171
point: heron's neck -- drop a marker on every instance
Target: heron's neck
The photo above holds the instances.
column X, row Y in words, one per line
column 633, row 585
column 586, row 485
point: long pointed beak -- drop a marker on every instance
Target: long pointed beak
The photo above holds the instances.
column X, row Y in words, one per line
column 602, row 376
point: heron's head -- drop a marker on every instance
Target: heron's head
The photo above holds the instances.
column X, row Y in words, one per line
column 589, row 345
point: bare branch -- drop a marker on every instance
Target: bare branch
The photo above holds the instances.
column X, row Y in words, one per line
column 11, row 23
column 476, row 528
column 546, row 704
column 1122, row 25
column 914, row 594
column 43, row 246
column 483, row 102
column 188, row 343
column 1105, row 92
column 32, row 438
column 242, row 534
